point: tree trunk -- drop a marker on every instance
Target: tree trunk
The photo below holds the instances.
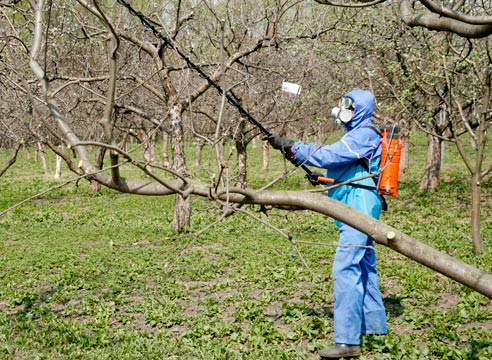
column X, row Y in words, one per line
column 165, row 144
column 58, row 166
column 12, row 160
column 242, row 156
column 305, row 136
column 484, row 121
column 405, row 150
column 319, row 136
column 58, row 163
column 28, row 152
column 266, row 158
column 94, row 186
column 41, row 155
column 198, row 152
column 475, row 214
column 430, row 179
column 219, row 153
column 182, row 205
column 149, row 149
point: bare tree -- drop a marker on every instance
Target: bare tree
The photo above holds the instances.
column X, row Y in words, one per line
column 469, row 108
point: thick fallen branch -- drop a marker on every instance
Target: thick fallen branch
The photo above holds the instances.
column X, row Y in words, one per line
column 381, row 233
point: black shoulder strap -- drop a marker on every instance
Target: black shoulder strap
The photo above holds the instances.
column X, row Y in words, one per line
column 374, row 128
column 366, row 168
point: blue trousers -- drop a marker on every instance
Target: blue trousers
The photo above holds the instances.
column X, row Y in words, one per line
column 359, row 307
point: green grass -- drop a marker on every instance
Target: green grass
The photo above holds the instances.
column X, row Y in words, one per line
column 101, row 276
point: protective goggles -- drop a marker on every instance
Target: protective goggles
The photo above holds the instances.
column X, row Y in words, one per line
column 346, row 103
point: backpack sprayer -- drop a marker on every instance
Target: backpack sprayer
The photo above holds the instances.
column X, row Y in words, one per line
column 389, row 165
column 391, row 145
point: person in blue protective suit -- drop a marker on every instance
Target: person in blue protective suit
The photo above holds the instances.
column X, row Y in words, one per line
column 358, row 306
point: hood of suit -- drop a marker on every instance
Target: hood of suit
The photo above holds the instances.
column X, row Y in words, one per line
column 363, row 108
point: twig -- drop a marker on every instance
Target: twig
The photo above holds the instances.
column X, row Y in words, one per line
column 333, row 244
column 170, row 267
column 287, row 236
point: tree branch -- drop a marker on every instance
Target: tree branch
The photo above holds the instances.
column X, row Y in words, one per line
column 355, row 4
column 442, row 10
column 435, row 22
column 12, row 160
column 380, row 232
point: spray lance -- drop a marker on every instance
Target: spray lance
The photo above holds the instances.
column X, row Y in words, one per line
column 230, row 98
column 391, row 144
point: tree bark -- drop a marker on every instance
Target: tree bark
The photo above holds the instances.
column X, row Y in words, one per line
column 435, row 21
column 198, row 152
column 242, row 159
column 477, row 176
column 405, row 151
column 149, row 149
column 40, row 153
column 242, row 156
column 305, row 136
column 319, row 135
column 430, row 179
column 165, row 144
column 58, row 162
column 266, row 157
column 475, row 213
column 182, row 204
column 94, row 186
column 12, row 160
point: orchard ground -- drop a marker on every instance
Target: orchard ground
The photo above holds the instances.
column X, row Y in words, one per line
column 102, row 276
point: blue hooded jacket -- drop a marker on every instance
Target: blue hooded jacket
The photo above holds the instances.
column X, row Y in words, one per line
column 341, row 159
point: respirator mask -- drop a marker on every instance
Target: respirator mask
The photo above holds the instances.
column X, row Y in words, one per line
column 344, row 112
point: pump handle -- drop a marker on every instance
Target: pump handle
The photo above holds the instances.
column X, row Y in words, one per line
column 323, row 179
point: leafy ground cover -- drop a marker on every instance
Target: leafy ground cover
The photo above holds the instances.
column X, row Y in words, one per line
column 88, row 276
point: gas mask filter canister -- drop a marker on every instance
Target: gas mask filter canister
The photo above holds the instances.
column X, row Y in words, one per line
column 344, row 112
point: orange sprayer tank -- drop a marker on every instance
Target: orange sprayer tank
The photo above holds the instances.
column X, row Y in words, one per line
column 390, row 160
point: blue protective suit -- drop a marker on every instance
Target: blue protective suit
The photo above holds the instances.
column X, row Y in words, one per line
column 359, row 307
